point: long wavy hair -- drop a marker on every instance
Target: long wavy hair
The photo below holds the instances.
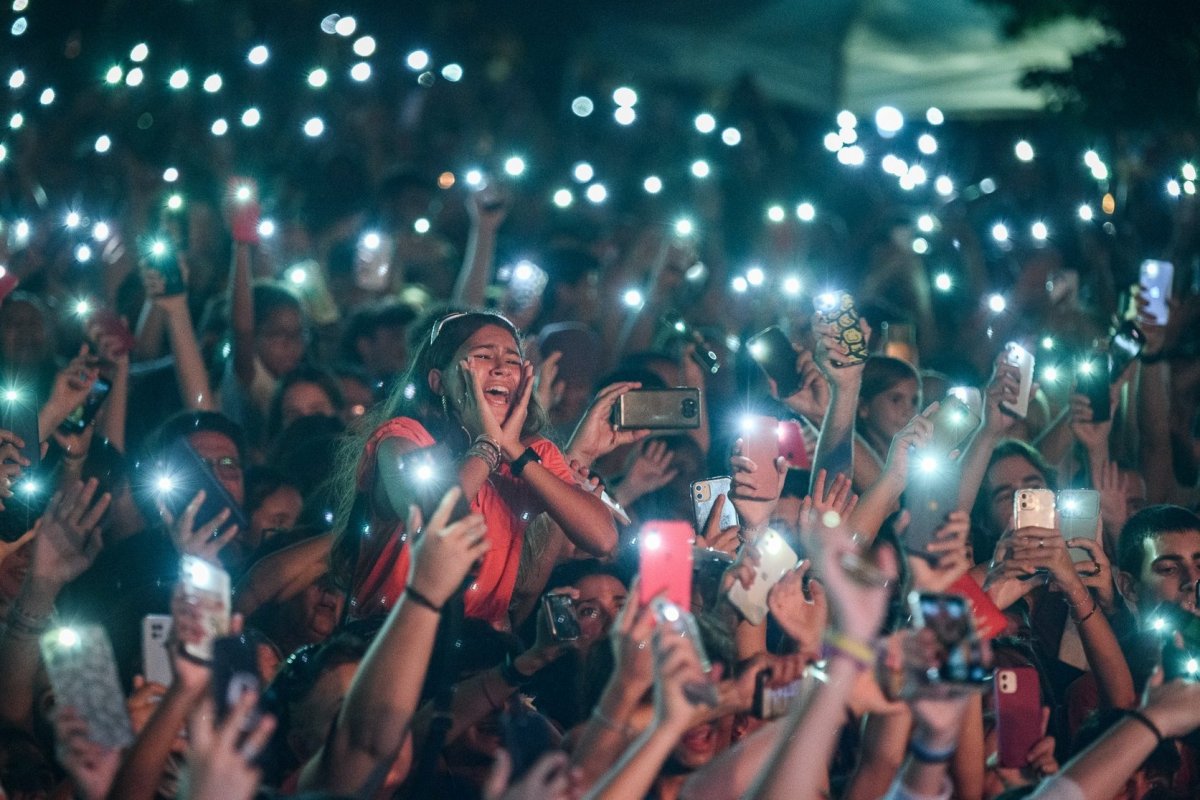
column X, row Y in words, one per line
column 412, row 396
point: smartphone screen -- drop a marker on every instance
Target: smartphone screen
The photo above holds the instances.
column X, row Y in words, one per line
column 1125, row 346
column 950, row 619
column 81, row 417
column 206, row 587
column 234, row 672
column 181, row 473
column 665, row 561
column 1156, row 277
column 772, row 350
column 561, row 617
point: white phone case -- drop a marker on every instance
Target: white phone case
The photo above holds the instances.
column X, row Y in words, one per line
column 207, row 587
column 83, row 672
column 1022, row 359
column 1033, row 508
column 1157, row 277
column 156, row 661
column 776, row 558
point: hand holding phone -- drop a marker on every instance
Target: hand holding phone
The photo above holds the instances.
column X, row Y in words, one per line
column 773, row 352
column 954, row 657
column 204, row 617
column 1156, row 279
column 561, row 619
column 83, row 673
column 1018, row 703
column 775, row 559
column 1020, row 358
column 837, row 309
column 242, row 210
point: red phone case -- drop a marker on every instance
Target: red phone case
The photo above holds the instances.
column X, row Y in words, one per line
column 990, row 621
column 1018, row 697
column 665, row 561
column 105, row 321
column 8, row 283
column 792, row 445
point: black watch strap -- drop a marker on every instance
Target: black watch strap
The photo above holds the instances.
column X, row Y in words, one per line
column 518, row 465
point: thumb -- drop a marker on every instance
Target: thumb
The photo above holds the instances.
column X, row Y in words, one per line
column 497, row 779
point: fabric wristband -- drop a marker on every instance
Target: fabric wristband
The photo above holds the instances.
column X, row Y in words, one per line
column 518, row 465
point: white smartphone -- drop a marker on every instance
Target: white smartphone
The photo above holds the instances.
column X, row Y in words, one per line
column 1033, row 508
column 156, row 659
column 776, row 558
column 207, row 587
column 83, row 673
column 1022, row 359
column 1157, row 276
column 1079, row 518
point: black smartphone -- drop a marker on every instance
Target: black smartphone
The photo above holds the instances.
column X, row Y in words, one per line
column 426, row 475
column 1091, row 380
column 772, row 702
column 704, row 356
column 658, row 409
column 158, row 253
column 1126, row 345
column 527, row 737
column 949, row 617
column 772, row 350
column 19, row 416
column 180, row 473
column 234, row 672
column 81, row 417
column 561, row 617
column 932, row 493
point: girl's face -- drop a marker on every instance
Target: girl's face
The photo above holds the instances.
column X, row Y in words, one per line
column 280, row 341
column 1002, row 481
column 305, row 400
column 889, row 411
column 494, row 359
column 278, row 511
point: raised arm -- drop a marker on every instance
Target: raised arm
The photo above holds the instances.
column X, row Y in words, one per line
column 1002, row 387
column 194, row 388
column 375, row 717
column 835, row 444
column 487, row 210
column 241, row 313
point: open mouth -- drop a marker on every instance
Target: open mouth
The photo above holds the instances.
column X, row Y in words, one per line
column 497, row 394
column 700, row 739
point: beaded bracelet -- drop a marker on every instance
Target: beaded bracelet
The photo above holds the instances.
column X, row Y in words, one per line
column 861, row 653
column 486, row 456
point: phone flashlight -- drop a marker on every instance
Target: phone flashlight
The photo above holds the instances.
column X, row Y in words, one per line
column 29, row 487
column 1086, row 368
column 243, row 193
column 199, row 573
column 652, row 540
column 298, row 276
column 12, row 395
column 826, row 302
column 82, row 307
column 67, row 637
column 164, row 484
column 424, row 473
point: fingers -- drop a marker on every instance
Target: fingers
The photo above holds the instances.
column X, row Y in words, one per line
column 441, row 515
column 497, row 779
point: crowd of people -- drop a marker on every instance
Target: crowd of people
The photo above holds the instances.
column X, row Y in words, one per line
column 339, row 488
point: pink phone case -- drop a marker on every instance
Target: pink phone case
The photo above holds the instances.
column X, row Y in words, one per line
column 1018, row 697
column 665, row 561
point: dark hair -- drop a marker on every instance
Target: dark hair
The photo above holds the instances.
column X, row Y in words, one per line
column 983, row 538
column 881, row 373
column 1146, row 524
column 301, row 374
column 364, row 323
column 411, row 396
column 271, row 297
column 571, row 572
column 261, row 483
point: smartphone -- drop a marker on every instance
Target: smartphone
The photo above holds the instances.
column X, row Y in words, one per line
column 1079, row 518
column 181, row 473
column 1178, row 662
column 772, row 702
column 775, row 559
column 899, row 340
column 8, row 283
column 929, row 498
column 970, row 395
column 19, row 415
column 792, row 445
column 207, row 588
column 561, row 617
column 156, row 659
column 1022, row 359
column 989, row 620
column 426, row 474
column 613, row 506
column 1156, row 278
column 234, row 672
column 704, row 356
column 1125, row 345
column 665, row 561
column 160, row 255
column 837, row 308
column 373, row 262
column 83, row 673
column 1018, row 703
column 658, row 409
column 677, row 621
column 949, row 617
column 78, row 420
column 527, row 737
column 760, row 442
column 1092, row 381
column 704, row 497
column 953, row 423
column 1033, row 508
column 772, row 350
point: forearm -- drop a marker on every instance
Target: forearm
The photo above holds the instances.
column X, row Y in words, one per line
column 731, row 774
column 117, row 407
column 189, row 365
column 150, row 326
column 1154, row 411
column 1104, row 656
column 1056, row 440
column 798, row 769
column 974, row 467
column 607, row 732
column 885, row 737
column 581, row 515
column 470, row 288
column 967, row 765
column 835, row 443
column 281, row 576
column 241, row 313
column 144, row 764
column 50, row 416
column 876, row 505
column 1108, row 763
column 634, row 774
column 20, row 656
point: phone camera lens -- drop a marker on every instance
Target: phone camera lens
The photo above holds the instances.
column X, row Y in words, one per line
column 688, row 408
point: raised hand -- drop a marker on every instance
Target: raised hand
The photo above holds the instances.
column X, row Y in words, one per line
column 549, row 388
column 1003, row 387
column 595, row 435
column 444, row 552
column 68, row 537
column 951, row 551
column 676, row 665
column 550, row 778
column 630, row 637
column 1093, row 435
column 837, row 498
column 11, row 463
column 811, row 400
column 1098, row 575
column 92, row 766
column 72, row 384
column 220, row 760
column 202, row 541
column 713, row 536
column 913, row 436
column 802, row 617
column 1039, row 763
column 755, row 487
column 479, row 418
column 487, row 208
column 649, row 470
column 1114, row 507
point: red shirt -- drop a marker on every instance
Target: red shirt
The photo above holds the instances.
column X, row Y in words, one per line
column 506, row 503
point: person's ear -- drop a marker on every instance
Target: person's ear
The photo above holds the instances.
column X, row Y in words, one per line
column 435, row 382
column 1127, row 586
